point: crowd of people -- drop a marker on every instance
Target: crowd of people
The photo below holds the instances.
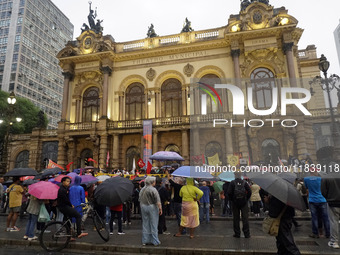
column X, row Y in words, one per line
column 191, row 202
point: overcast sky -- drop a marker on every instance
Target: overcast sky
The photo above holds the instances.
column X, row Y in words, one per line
column 129, row 19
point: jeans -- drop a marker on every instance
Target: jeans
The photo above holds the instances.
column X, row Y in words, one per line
column 119, row 217
column 107, row 214
column 178, row 212
column 204, row 211
column 161, row 222
column 334, row 217
column 316, row 209
column 150, row 215
column 32, row 220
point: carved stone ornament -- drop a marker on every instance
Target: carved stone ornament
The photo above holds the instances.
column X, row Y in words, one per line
column 257, row 17
column 188, row 70
column 151, row 74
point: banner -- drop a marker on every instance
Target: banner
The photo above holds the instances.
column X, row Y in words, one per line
column 147, row 137
column 91, row 159
column 107, row 159
column 214, row 160
column 133, row 166
column 233, row 160
column 148, row 169
column 68, row 166
column 52, row 164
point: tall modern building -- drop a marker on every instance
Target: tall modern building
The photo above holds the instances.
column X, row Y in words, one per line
column 32, row 32
column 337, row 40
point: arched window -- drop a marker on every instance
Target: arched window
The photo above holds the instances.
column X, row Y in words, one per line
column 262, row 82
column 213, row 104
column 171, row 98
column 84, row 155
column 134, row 102
column 211, row 149
column 49, row 151
column 91, row 105
column 22, row 159
column 132, row 153
column 172, row 147
column 270, row 151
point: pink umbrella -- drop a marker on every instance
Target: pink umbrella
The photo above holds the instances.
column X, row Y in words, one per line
column 44, row 190
column 59, row 177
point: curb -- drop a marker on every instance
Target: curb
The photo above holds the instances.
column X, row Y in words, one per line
column 138, row 249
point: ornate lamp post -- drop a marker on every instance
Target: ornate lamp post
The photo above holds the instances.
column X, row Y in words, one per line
column 328, row 84
column 9, row 120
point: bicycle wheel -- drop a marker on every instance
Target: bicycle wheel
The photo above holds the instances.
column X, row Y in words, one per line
column 55, row 236
column 101, row 227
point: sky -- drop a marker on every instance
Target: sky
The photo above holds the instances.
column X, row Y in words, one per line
column 129, row 20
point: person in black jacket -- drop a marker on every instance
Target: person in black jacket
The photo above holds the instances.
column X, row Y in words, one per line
column 239, row 193
column 64, row 205
column 164, row 196
column 284, row 241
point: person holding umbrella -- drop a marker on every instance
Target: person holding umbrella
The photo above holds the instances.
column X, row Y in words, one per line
column 284, row 241
column 151, row 208
column 15, row 192
column 65, row 206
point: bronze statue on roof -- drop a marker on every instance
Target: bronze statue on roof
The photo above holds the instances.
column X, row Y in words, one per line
column 96, row 27
column 187, row 26
column 151, row 32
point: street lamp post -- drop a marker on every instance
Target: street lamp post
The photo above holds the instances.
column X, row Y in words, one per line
column 328, row 84
column 9, row 120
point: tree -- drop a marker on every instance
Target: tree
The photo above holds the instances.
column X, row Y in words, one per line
column 24, row 109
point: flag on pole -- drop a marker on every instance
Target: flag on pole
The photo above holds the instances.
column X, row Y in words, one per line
column 133, row 166
column 140, row 163
column 91, row 159
column 68, row 166
column 107, row 159
column 52, row 164
column 148, row 169
column 281, row 163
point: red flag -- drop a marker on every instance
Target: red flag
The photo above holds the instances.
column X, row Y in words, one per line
column 140, row 163
column 68, row 166
column 148, row 169
column 107, row 159
column 51, row 164
column 91, row 159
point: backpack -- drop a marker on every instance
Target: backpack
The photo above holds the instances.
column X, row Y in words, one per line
column 303, row 188
column 240, row 193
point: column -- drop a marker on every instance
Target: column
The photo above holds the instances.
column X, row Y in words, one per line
column 62, row 151
column 155, row 141
column 157, row 104
column 185, row 146
column 236, row 60
column 115, row 151
column 228, row 142
column 243, row 142
column 195, row 147
column 301, row 139
column 107, row 72
column 67, row 78
column 78, row 110
column 146, row 110
column 184, row 100
column 102, row 151
column 196, row 97
column 288, row 50
column 141, row 146
column 121, row 105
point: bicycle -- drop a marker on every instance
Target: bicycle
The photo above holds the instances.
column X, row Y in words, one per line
column 56, row 235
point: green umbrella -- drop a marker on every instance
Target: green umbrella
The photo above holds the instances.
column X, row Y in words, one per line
column 218, row 186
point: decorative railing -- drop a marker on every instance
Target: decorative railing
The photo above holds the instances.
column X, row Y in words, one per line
column 168, row 40
column 323, row 112
column 49, row 132
column 81, row 126
column 207, row 34
column 21, row 137
column 133, row 45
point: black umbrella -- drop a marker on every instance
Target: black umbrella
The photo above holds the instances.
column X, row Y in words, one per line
column 29, row 182
column 289, row 177
column 51, row 171
column 279, row 188
column 16, row 172
column 113, row 191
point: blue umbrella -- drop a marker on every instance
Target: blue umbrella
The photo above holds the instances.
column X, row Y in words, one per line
column 166, row 156
column 228, row 176
column 192, row 171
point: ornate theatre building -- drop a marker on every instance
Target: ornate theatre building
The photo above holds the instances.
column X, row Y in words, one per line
column 112, row 89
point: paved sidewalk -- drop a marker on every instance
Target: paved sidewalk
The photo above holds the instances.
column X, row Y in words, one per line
column 213, row 238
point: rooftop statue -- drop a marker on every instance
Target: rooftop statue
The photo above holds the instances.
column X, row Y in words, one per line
column 151, row 32
column 96, row 27
column 245, row 4
column 187, row 26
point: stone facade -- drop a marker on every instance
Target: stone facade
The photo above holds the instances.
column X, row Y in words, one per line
column 110, row 88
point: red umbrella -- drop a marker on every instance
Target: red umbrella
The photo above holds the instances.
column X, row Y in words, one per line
column 24, row 178
column 44, row 190
column 59, row 177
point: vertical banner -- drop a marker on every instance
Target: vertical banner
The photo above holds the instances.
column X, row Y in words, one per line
column 147, row 137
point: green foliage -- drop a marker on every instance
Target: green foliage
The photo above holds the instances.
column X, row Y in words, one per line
column 24, row 109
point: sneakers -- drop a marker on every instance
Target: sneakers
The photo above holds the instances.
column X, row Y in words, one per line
column 8, row 229
column 14, row 229
column 121, row 233
column 32, row 238
column 111, row 233
column 25, row 237
column 333, row 245
column 166, row 233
